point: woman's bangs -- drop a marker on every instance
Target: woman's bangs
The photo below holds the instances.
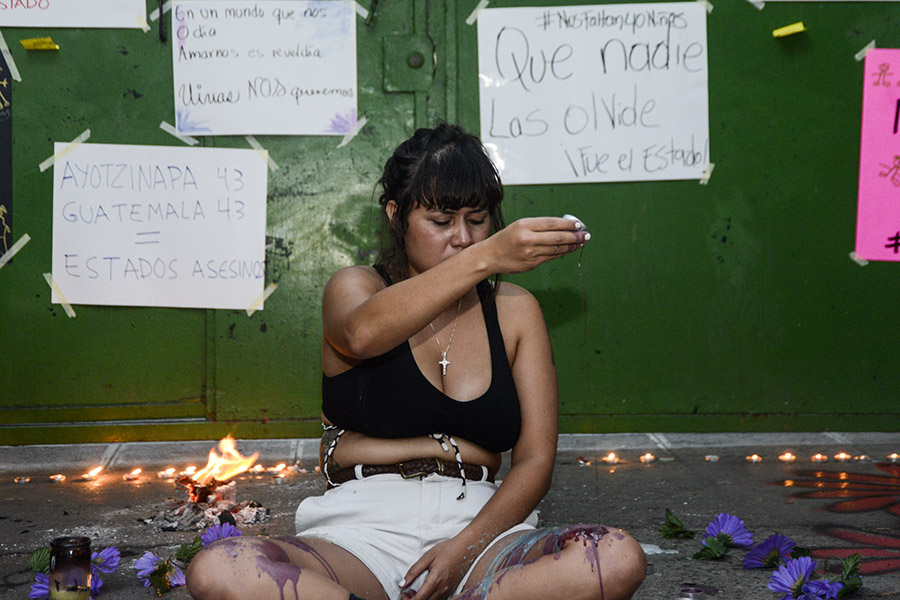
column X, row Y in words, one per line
column 458, row 185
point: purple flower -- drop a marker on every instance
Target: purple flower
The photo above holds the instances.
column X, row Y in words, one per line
column 219, row 532
column 791, row 577
column 176, row 576
column 41, row 586
column 145, row 566
column 822, row 588
column 149, row 562
column 730, row 530
column 107, row 560
column 769, row 553
column 96, row 582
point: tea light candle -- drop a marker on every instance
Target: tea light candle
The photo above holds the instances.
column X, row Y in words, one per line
column 711, row 458
column 842, row 457
column 189, row 471
column 58, row 478
column 92, row 474
column 582, row 462
column 754, row 458
column 279, row 478
column 257, row 468
column 167, row 474
column 819, row 458
column 22, row 479
column 611, row 459
column 647, row 458
column 787, row 457
column 277, row 469
column 132, row 476
column 862, row 458
column 893, row 457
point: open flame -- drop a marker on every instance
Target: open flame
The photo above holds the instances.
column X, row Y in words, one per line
column 224, row 467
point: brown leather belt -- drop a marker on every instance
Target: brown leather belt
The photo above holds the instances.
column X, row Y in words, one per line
column 410, row 469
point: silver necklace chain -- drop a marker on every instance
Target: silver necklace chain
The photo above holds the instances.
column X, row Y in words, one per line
column 444, row 362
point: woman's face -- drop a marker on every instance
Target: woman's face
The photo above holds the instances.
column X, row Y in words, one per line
column 434, row 235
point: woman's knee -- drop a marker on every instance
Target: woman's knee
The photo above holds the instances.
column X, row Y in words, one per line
column 630, row 561
column 214, row 573
column 203, row 577
column 612, row 561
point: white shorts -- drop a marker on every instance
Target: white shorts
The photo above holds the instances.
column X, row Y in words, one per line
column 389, row 522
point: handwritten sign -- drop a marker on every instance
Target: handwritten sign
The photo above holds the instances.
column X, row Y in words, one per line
column 595, row 93
column 120, row 14
column 159, row 226
column 878, row 210
column 280, row 67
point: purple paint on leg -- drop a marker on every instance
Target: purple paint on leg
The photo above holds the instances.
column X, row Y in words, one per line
column 272, row 551
column 229, row 545
column 281, row 573
column 618, row 536
column 550, row 542
column 303, row 546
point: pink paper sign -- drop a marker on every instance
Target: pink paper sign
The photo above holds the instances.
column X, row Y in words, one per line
column 878, row 216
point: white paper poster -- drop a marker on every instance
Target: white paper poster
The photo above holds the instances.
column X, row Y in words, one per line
column 613, row 92
column 119, row 14
column 280, row 68
column 159, row 226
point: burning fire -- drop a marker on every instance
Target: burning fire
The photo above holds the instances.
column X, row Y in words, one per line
column 224, row 467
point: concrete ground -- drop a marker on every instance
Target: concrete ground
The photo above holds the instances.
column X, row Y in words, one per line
column 846, row 505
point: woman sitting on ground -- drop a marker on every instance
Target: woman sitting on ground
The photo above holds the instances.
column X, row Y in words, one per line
column 432, row 368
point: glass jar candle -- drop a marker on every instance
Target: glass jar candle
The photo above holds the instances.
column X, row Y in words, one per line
column 70, row 568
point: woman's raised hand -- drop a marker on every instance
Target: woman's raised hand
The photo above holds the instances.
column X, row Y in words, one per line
column 529, row 242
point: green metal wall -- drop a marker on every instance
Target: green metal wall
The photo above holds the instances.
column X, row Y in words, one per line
column 730, row 306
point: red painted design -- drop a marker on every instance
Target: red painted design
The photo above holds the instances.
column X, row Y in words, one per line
column 880, row 554
column 857, row 492
column 865, row 492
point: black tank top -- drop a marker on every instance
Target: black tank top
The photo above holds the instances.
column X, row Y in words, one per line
column 388, row 396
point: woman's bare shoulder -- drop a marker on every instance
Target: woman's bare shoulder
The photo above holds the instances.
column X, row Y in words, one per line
column 355, row 276
column 512, row 295
column 516, row 306
column 355, row 273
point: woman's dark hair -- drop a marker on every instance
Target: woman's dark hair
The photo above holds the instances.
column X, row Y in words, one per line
column 443, row 168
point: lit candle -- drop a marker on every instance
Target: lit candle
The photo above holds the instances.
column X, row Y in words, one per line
column 167, row 474
column 132, row 476
column 842, row 457
column 647, row 458
column 819, row 458
column 58, row 478
column 279, row 478
column 893, row 457
column 611, row 459
column 862, row 458
column 22, row 479
column 92, row 474
column 712, row 458
column 787, row 457
column 257, row 468
column 277, row 468
column 754, row 458
column 189, row 471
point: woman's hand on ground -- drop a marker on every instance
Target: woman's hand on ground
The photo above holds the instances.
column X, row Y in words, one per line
column 527, row 243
